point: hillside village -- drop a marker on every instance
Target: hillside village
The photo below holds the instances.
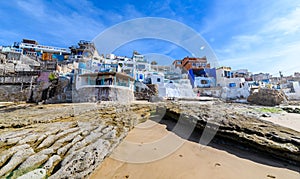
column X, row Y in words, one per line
column 41, row 73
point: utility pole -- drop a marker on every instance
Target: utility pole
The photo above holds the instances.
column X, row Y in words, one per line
column 280, row 73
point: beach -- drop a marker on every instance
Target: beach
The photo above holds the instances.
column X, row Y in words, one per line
column 148, row 140
column 189, row 160
column 290, row 120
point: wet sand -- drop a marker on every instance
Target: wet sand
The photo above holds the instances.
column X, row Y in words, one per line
column 151, row 151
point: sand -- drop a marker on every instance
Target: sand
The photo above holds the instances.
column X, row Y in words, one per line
column 151, row 151
column 290, row 120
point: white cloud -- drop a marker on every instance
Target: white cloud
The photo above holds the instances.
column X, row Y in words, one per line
column 269, row 47
column 32, row 7
column 52, row 22
column 289, row 24
column 132, row 12
column 277, row 58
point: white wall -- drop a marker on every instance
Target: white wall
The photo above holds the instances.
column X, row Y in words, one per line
column 296, row 95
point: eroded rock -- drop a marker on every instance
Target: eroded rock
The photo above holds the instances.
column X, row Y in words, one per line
column 267, row 97
column 36, row 174
column 16, row 159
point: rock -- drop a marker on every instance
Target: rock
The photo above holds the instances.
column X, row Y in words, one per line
column 81, row 163
column 145, row 92
column 69, row 137
column 50, row 164
column 63, row 143
column 110, row 135
column 48, row 141
column 291, row 110
column 83, row 143
column 16, row 159
column 241, row 128
column 33, row 161
column 29, row 139
column 14, row 134
column 12, row 141
column 267, row 97
column 65, row 148
column 8, row 153
column 266, row 115
column 54, row 138
column 48, row 151
column 156, row 99
column 36, row 174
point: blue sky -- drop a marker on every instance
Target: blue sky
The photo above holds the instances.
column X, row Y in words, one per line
column 261, row 35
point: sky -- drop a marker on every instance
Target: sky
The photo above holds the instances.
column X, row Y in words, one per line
column 258, row 35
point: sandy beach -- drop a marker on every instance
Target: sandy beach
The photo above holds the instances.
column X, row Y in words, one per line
column 151, row 151
column 290, row 120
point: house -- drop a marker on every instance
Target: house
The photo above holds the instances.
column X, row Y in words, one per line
column 261, row 77
column 196, row 68
column 241, row 73
column 32, row 47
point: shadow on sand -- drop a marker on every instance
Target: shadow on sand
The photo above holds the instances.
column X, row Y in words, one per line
column 232, row 147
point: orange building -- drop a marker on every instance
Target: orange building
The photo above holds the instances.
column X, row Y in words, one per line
column 194, row 63
column 47, row 56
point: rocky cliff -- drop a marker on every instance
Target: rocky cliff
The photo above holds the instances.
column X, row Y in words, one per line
column 240, row 124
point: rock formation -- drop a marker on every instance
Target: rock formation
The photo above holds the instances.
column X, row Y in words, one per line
column 145, row 92
column 63, row 141
column 267, row 97
column 71, row 140
column 241, row 125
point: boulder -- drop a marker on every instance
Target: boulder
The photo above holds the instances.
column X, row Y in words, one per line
column 145, row 92
column 267, row 97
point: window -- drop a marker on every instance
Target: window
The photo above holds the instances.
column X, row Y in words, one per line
column 231, row 85
column 204, row 82
column 141, row 76
column 141, row 66
column 158, row 80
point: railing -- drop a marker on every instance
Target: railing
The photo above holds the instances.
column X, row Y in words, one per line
column 113, row 83
column 42, row 47
column 9, row 49
column 84, row 71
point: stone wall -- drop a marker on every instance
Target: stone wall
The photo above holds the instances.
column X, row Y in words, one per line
column 224, row 92
column 94, row 94
column 146, row 93
column 62, row 92
column 13, row 93
column 213, row 92
column 2, row 58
